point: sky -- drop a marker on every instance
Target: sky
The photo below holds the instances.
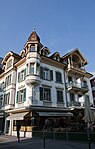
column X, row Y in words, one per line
column 62, row 26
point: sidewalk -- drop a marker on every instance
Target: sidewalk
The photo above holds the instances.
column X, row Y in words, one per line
column 26, row 143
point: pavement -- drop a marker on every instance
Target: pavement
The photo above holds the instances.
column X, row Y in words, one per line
column 10, row 142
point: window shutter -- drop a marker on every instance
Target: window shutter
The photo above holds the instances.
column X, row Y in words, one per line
column 19, row 77
column 49, row 92
column 41, row 72
column 51, row 75
column 24, row 74
column 41, row 93
column 24, row 98
column 17, row 98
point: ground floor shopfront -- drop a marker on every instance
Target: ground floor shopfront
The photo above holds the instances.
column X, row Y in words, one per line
column 44, row 118
column 36, row 119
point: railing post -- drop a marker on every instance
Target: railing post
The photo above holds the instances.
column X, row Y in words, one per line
column 54, row 134
column 67, row 133
column 43, row 138
column 88, row 136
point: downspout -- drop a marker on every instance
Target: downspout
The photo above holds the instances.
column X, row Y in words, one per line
column 65, row 88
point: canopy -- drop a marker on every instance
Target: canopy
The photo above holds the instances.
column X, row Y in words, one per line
column 55, row 113
column 17, row 116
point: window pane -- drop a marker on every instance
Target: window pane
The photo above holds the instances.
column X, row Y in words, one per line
column 46, row 74
column 31, row 68
column 59, row 96
column 32, row 48
column 58, row 77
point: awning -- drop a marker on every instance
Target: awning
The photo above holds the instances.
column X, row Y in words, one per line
column 55, row 113
column 17, row 116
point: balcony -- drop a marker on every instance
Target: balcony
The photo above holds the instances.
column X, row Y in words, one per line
column 75, row 69
column 74, row 86
column 33, row 55
column 78, row 104
column 32, row 79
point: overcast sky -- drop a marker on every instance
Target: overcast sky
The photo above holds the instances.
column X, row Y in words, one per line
column 61, row 24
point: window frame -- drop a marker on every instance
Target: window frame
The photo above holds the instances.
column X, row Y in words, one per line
column 57, row 77
column 59, row 93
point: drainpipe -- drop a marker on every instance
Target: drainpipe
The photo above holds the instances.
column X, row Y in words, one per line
column 65, row 88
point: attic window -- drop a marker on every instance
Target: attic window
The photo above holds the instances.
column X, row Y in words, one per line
column 9, row 63
column 57, row 58
column 45, row 52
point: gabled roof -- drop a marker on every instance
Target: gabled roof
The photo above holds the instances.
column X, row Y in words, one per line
column 78, row 53
column 11, row 53
column 55, row 54
column 45, row 49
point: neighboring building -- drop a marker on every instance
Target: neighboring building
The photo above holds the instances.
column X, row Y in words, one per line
column 34, row 86
column 92, row 82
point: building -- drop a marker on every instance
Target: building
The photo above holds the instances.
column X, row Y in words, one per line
column 35, row 86
column 92, row 82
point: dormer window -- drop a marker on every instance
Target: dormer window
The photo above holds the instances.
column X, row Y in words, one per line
column 45, row 53
column 57, row 58
column 32, row 48
column 9, row 63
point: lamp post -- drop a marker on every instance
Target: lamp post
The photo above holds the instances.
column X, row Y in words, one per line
column 88, row 118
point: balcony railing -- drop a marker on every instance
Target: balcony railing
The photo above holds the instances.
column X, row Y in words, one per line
column 75, row 67
column 77, row 85
column 73, row 104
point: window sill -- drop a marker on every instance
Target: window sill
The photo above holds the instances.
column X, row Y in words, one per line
column 47, row 101
column 59, row 82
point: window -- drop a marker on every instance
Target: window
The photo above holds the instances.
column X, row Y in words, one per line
column 92, row 82
column 57, row 58
column 8, row 80
column 46, row 73
column 6, row 98
column 21, row 96
column 72, row 97
column 58, row 77
column 59, row 96
column 1, row 101
column 45, row 53
column 31, row 68
column 22, row 75
column 45, row 94
column 3, row 85
column 93, row 92
column 69, row 79
column 38, row 69
column 32, row 48
column 9, row 64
